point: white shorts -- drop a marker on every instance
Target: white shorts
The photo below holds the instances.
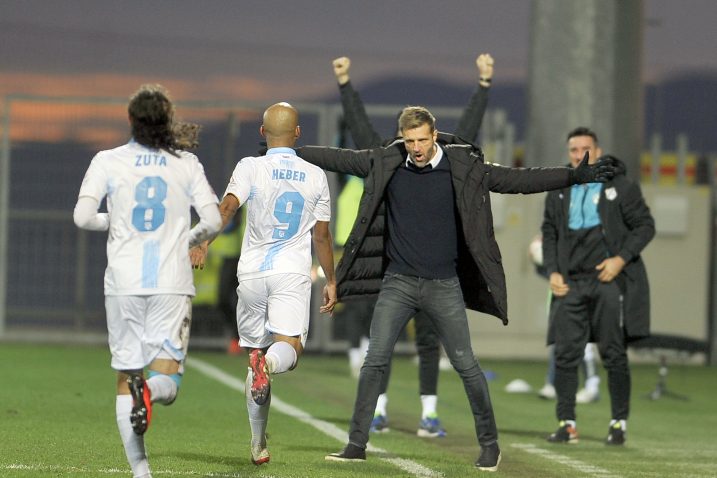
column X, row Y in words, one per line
column 275, row 304
column 145, row 327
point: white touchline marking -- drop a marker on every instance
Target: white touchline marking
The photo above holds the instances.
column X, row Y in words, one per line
column 327, row 428
column 566, row 460
column 115, row 471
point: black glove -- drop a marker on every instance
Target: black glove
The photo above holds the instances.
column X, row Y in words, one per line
column 602, row 171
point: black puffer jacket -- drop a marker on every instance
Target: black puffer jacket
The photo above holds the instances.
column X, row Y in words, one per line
column 627, row 227
column 480, row 270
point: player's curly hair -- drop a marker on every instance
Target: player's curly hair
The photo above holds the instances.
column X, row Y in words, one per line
column 151, row 116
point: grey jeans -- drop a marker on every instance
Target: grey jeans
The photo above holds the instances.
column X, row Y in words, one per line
column 401, row 297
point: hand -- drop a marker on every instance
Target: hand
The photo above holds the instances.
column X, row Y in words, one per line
column 484, row 62
column 610, row 268
column 557, row 285
column 329, row 298
column 602, row 171
column 341, row 69
column 198, row 255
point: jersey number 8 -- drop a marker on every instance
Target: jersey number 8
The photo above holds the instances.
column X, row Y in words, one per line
column 148, row 214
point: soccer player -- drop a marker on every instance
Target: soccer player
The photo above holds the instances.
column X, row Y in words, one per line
column 150, row 184
column 287, row 198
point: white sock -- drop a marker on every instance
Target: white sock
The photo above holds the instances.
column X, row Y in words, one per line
column 133, row 443
column 381, row 405
column 258, row 415
column 163, row 389
column 593, row 383
column 355, row 358
column 623, row 423
column 280, row 357
column 429, row 403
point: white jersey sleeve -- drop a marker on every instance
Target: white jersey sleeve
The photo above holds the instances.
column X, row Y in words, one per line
column 149, row 194
column 284, row 196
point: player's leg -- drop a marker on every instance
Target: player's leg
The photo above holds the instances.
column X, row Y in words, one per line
column 169, row 319
column 396, row 304
column 570, row 317
column 125, row 323
column 613, row 351
column 289, row 304
column 251, row 324
column 445, row 307
column 429, row 355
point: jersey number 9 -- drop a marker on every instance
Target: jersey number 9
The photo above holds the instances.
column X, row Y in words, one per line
column 287, row 210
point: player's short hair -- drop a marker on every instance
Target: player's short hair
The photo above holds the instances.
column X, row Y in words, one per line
column 151, row 116
column 583, row 131
column 415, row 117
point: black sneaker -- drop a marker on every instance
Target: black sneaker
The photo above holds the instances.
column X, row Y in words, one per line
column 350, row 452
column 141, row 413
column 565, row 433
column 615, row 435
column 489, row 458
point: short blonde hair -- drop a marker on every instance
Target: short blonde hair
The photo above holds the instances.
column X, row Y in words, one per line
column 415, row 117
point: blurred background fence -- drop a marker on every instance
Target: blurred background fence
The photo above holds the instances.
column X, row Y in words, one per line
column 51, row 273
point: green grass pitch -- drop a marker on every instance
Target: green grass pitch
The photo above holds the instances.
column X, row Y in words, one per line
column 57, row 419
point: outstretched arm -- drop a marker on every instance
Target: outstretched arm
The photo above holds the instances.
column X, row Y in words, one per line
column 346, row 161
column 355, row 115
column 323, row 245
column 470, row 122
column 227, row 209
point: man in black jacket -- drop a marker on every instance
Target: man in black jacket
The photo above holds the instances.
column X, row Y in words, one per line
column 427, row 342
column 593, row 235
column 433, row 250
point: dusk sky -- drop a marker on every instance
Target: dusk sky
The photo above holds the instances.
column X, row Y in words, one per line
column 272, row 49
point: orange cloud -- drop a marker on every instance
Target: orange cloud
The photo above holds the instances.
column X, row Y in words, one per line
column 92, row 108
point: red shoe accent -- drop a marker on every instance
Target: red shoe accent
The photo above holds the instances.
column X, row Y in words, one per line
column 260, row 384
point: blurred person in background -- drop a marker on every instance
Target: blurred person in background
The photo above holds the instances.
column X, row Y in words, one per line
column 593, row 235
column 360, row 309
column 150, row 184
column 590, row 392
column 288, row 209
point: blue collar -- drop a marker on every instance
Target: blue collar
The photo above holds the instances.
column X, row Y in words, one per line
column 280, row 150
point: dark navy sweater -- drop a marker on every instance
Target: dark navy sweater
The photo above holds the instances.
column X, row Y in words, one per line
column 422, row 230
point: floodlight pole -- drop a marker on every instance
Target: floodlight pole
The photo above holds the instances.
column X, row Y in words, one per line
column 4, row 212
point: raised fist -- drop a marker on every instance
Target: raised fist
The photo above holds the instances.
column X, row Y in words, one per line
column 484, row 62
column 341, row 69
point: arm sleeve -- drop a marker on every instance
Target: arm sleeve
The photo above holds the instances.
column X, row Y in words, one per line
column 202, row 192
column 346, row 161
column 322, row 211
column 470, row 122
column 238, row 185
column 549, row 229
column 355, row 115
column 210, row 223
column 87, row 217
column 639, row 220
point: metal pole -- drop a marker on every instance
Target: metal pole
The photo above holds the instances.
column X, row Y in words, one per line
column 4, row 211
column 712, row 300
column 682, row 150
column 656, row 153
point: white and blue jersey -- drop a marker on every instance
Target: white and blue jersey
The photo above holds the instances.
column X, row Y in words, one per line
column 285, row 196
column 149, row 195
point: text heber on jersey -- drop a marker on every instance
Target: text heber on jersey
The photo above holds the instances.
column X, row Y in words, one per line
column 288, row 174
